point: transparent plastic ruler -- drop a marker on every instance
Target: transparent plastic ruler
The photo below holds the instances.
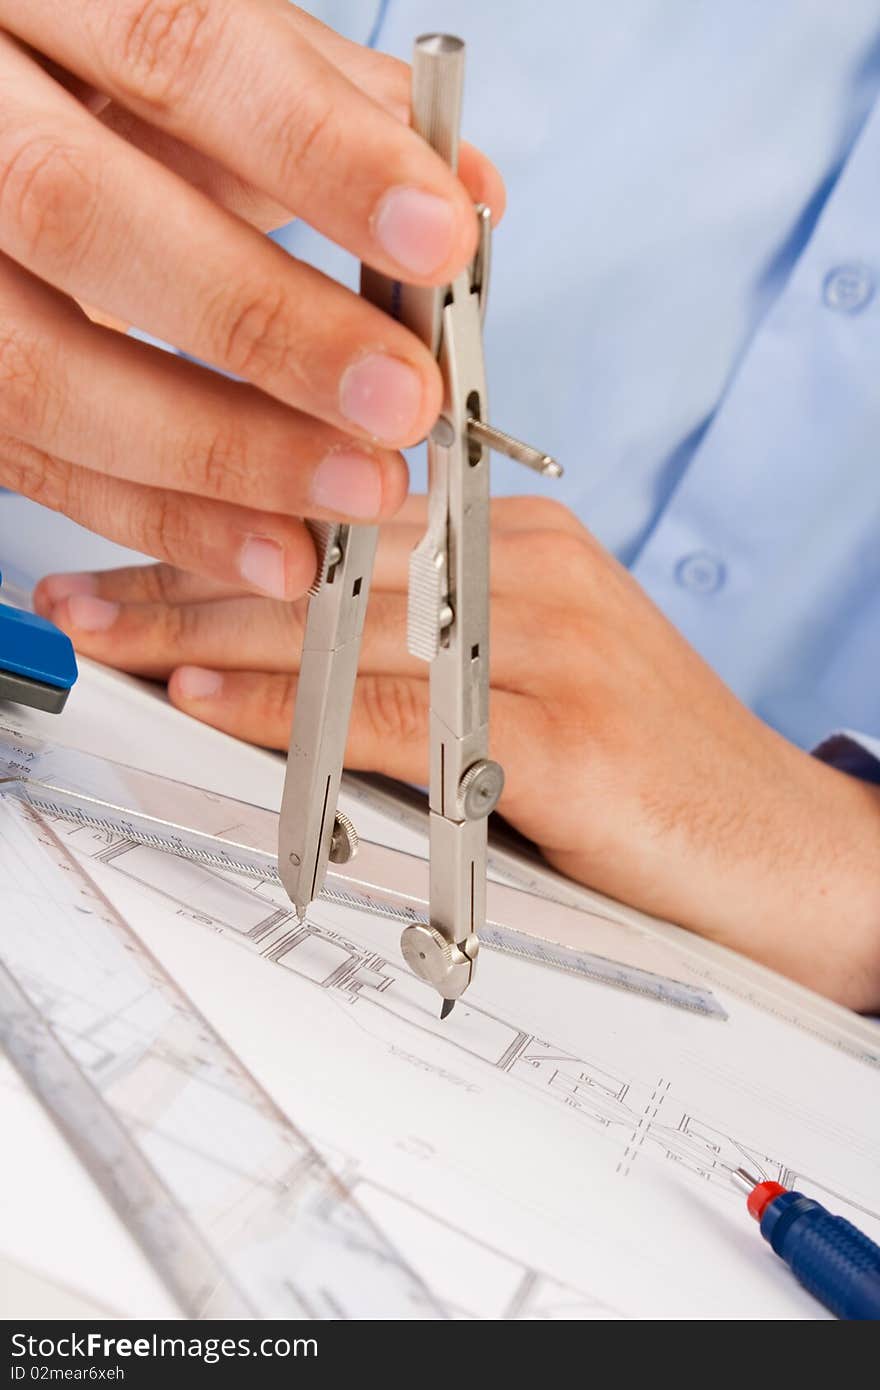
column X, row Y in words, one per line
column 233, row 1207
column 221, row 833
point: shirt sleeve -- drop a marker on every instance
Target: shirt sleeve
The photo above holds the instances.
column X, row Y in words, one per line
column 857, row 754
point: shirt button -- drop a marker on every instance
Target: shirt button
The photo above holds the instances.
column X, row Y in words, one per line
column 700, row 572
column 848, row 288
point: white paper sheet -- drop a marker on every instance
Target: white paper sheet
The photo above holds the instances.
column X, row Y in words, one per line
column 556, row 1148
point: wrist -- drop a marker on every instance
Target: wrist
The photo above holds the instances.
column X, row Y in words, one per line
column 778, row 857
column 803, row 893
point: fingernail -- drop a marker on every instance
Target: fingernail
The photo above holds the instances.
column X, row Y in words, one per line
column 91, row 614
column 348, row 482
column 56, row 587
column 262, row 564
column 195, row 683
column 415, row 228
column 382, row 395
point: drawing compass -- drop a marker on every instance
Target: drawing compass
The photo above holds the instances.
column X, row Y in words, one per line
column 448, row 614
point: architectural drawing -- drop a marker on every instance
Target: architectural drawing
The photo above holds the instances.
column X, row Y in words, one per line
column 259, row 1224
column 537, row 1156
column 634, row 1116
column 257, row 1220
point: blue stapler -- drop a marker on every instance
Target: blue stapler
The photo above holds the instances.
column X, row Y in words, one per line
column 37, row 662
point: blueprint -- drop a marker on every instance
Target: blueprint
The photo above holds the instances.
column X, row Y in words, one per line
column 556, row 1149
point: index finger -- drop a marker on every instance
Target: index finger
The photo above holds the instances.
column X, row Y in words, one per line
column 242, row 83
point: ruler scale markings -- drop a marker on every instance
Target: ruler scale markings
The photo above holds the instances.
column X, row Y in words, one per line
column 22, row 763
column 187, row 1268
column 176, row 1133
column 494, row 935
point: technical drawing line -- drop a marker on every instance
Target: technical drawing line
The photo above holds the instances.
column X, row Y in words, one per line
column 534, row 1280
column 185, row 1264
column 360, row 976
column 174, row 1090
column 621, row 1119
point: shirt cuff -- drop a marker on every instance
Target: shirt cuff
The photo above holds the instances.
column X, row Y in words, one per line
column 857, row 754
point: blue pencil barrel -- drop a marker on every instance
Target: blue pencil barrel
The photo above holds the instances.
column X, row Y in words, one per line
column 835, row 1262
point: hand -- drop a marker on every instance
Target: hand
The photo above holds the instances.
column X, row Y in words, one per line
column 628, row 761
column 137, row 135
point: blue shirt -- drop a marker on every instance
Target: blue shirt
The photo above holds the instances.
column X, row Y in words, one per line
column 684, row 309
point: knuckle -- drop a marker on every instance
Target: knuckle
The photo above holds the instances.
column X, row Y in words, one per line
column 158, row 525
column 178, row 625
column 562, row 554
column 556, row 514
column 538, row 544
column 391, row 708
column 36, row 475
column 23, row 382
column 544, row 513
column 568, row 547
column 309, row 137
column 160, row 583
column 252, row 337
column 560, row 558
column 48, row 193
column 396, row 78
column 156, row 47
column 214, row 465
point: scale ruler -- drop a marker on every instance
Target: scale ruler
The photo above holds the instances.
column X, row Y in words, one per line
column 600, row 969
column 235, row 1210
column 189, row 1270
column 229, row 836
column 497, row 937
